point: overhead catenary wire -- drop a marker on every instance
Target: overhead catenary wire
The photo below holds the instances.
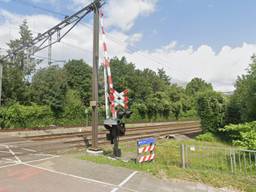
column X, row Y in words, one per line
column 72, row 20
column 131, row 49
column 61, row 42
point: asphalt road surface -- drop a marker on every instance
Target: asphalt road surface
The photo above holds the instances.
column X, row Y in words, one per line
column 23, row 168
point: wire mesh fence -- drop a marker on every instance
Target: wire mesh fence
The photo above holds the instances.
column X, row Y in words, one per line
column 229, row 160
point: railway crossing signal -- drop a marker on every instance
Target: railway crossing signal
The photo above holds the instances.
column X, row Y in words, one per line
column 115, row 102
column 116, row 129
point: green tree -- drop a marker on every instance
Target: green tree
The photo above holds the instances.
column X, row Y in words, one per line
column 177, row 109
column 22, row 59
column 17, row 72
column 140, row 83
column 14, row 87
column 244, row 98
column 211, row 110
column 79, row 77
column 233, row 111
column 49, row 87
column 163, row 76
column 197, row 85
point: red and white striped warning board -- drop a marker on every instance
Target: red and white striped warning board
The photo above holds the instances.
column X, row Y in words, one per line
column 146, row 158
column 146, row 150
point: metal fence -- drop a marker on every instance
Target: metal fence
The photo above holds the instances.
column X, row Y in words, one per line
column 230, row 160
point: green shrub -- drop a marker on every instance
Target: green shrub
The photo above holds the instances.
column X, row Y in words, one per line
column 248, row 140
column 20, row 116
column 211, row 110
column 233, row 132
column 243, row 135
column 209, row 137
column 191, row 113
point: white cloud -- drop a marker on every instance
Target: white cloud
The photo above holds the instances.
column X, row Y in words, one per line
column 133, row 39
column 81, row 2
column 77, row 44
column 122, row 14
column 220, row 68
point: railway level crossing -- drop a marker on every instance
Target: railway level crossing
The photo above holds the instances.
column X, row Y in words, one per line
column 37, row 170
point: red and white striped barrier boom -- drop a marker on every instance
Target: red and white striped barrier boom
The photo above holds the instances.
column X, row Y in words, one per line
column 111, row 95
column 107, row 71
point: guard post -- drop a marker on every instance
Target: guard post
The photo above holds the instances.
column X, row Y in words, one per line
column 146, row 150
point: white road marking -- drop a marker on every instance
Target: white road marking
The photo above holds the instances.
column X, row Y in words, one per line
column 29, row 150
column 115, row 189
column 78, row 177
column 11, row 151
column 19, row 162
column 45, row 154
column 124, row 181
column 14, row 163
column 70, row 175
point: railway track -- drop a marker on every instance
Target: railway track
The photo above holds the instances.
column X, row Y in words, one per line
column 82, row 138
column 59, row 143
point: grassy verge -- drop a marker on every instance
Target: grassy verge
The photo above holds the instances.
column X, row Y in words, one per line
column 167, row 166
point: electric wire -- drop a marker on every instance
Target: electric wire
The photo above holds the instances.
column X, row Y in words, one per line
column 130, row 48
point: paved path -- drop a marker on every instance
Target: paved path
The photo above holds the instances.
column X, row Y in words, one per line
column 28, row 170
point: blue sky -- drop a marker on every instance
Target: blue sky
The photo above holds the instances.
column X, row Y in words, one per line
column 181, row 34
column 189, row 22
column 196, row 22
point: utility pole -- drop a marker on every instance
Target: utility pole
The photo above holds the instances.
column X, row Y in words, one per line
column 94, row 102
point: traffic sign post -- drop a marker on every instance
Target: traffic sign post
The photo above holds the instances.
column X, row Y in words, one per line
column 146, row 150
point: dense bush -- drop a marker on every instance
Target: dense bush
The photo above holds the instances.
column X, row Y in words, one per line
column 25, row 116
column 242, row 134
column 209, row 137
column 242, row 107
column 36, row 116
column 211, row 110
